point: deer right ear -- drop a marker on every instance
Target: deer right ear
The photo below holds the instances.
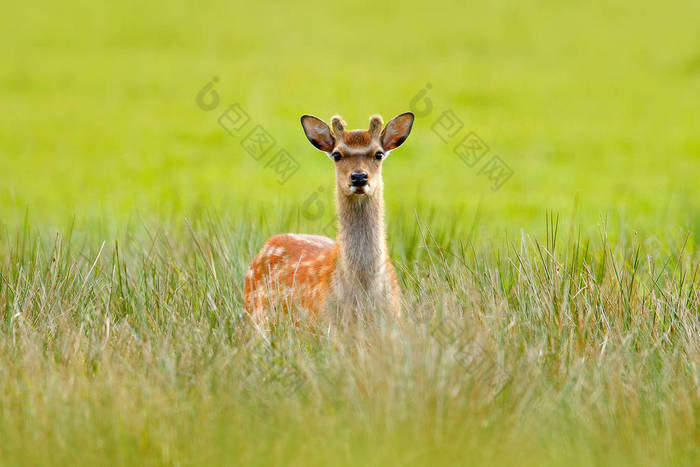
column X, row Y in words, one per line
column 318, row 133
column 396, row 131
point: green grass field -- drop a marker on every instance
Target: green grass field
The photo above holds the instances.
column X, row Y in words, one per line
column 554, row 320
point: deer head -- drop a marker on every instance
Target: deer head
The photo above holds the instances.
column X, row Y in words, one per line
column 358, row 154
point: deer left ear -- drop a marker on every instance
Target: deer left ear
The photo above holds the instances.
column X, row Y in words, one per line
column 318, row 133
column 396, row 131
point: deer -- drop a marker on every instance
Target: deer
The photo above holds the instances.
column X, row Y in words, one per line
column 353, row 273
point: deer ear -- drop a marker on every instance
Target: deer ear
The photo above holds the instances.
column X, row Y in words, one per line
column 318, row 133
column 396, row 131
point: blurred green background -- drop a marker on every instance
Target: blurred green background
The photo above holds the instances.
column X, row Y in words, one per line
column 594, row 107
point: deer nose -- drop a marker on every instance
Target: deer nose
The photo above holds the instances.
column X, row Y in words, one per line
column 358, row 178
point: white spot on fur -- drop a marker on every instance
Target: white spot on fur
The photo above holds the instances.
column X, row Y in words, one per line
column 312, row 239
column 259, row 292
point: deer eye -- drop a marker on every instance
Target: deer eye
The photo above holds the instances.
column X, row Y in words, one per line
column 336, row 156
column 379, row 155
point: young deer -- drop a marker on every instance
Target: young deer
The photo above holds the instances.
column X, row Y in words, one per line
column 355, row 272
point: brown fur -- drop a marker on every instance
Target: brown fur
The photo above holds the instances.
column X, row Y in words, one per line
column 357, row 138
column 355, row 273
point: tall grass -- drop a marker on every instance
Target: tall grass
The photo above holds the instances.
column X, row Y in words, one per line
column 566, row 348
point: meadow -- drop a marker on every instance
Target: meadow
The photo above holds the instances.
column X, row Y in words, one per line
column 549, row 319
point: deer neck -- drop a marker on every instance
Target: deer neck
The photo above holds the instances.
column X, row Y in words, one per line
column 362, row 240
